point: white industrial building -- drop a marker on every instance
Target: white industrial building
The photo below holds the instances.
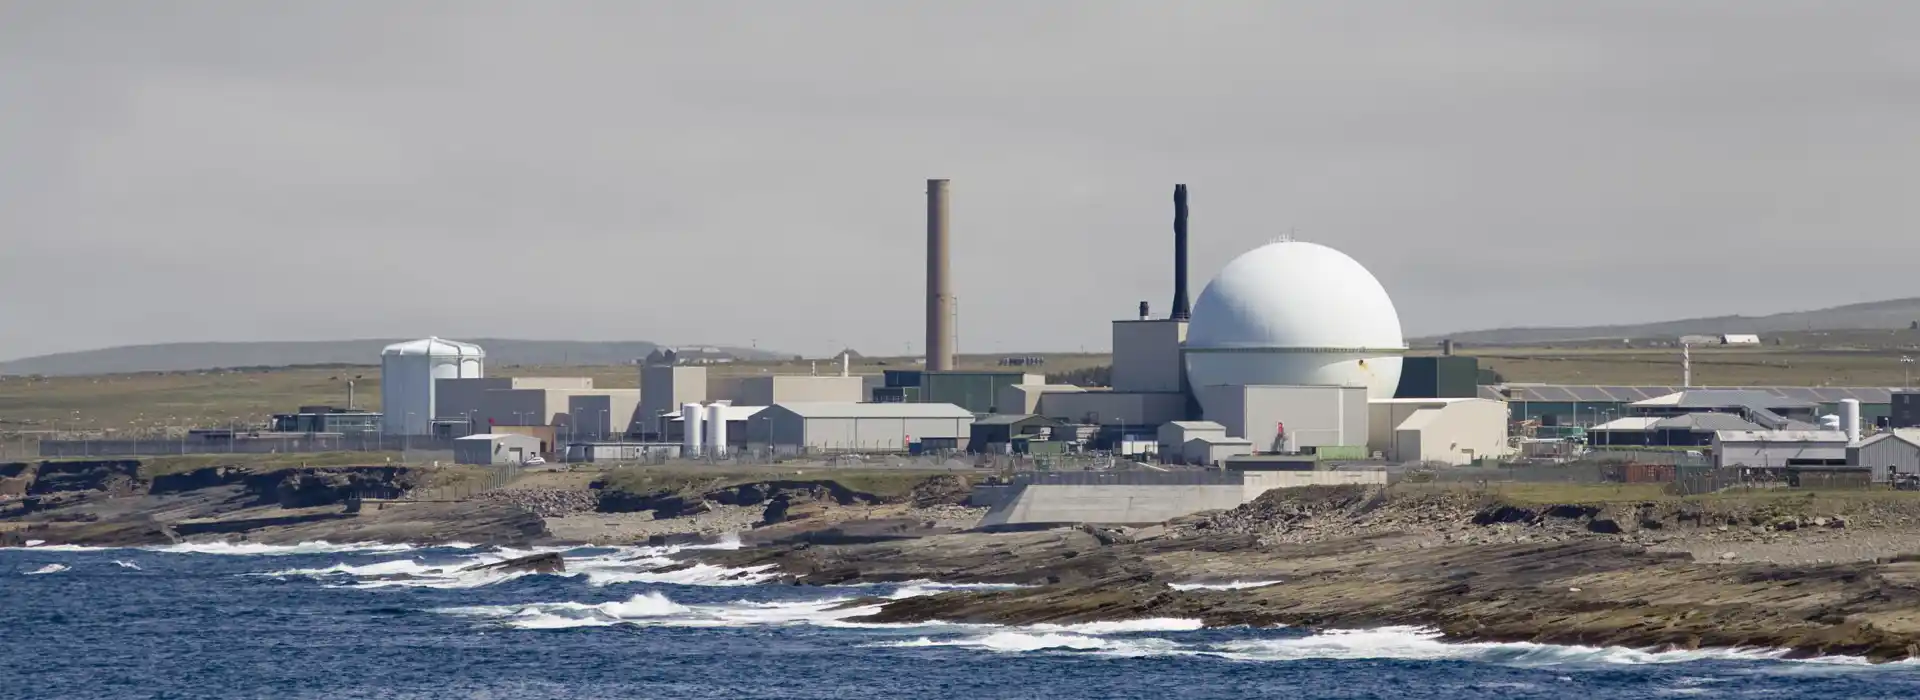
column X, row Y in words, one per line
column 736, row 418
column 1289, row 418
column 1173, row 436
column 768, row 390
column 408, row 374
column 1779, row 448
column 860, row 426
column 570, row 405
column 1445, row 431
column 1213, row 450
column 496, row 448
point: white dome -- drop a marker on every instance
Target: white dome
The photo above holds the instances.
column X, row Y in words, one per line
column 436, row 347
column 1295, row 313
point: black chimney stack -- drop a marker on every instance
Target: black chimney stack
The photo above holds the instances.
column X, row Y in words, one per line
column 1180, row 309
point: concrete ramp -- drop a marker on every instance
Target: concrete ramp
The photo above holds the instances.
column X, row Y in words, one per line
column 1139, row 498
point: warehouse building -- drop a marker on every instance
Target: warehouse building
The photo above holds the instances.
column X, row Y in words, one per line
column 830, row 427
column 1896, row 450
column 1214, row 450
column 1174, row 435
column 1779, row 448
column 1017, row 434
column 1559, row 410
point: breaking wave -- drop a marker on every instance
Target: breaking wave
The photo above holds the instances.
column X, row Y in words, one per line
column 48, row 569
column 269, row 550
column 606, row 567
column 1231, row 586
column 128, row 565
column 655, row 609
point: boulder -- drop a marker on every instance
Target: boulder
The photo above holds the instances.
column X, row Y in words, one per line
column 546, row 563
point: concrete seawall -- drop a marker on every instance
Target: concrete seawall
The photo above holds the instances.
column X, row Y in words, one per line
column 1139, row 498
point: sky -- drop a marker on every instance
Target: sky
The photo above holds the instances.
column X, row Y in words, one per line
column 753, row 172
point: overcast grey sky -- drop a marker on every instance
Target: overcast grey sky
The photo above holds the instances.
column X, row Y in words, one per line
column 726, row 172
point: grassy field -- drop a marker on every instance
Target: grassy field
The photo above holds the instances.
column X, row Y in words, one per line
column 1764, row 366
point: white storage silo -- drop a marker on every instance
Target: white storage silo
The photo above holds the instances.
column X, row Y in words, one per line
column 690, row 429
column 1850, row 418
column 407, row 374
column 717, row 430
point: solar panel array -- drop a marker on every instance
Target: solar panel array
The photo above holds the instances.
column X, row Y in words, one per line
column 1569, row 393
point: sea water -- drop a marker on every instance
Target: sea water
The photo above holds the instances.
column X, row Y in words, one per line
column 337, row 621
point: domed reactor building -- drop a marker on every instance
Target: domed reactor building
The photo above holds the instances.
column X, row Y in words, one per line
column 1294, row 348
column 1299, row 314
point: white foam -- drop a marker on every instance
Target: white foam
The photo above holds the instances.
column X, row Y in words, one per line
column 1420, row 644
column 617, row 565
column 35, row 543
column 655, row 609
column 1231, row 586
column 1161, row 624
column 48, row 569
column 62, row 547
column 912, row 589
column 128, row 565
column 1013, row 641
column 269, row 550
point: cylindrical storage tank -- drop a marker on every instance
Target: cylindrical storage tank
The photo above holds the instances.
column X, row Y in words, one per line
column 717, row 430
column 690, row 422
column 1850, row 418
column 1830, row 422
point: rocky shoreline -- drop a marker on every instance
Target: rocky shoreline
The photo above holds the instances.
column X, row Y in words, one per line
column 1816, row 575
column 1471, row 569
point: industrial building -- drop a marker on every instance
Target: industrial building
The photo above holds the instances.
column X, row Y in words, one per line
column 571, row 406
column 977, row 391
column 1174, row 435
column 1289, row 418
column 1894, row 451
column 771, row 389
column 884, row 427
column 664, row 388
column 497, row 448
column 1013, row 433
column 735, row 432
column 408, row 374
column 327, row 419
column 1453, row 431
column 1779, row 448
column 1561, row 410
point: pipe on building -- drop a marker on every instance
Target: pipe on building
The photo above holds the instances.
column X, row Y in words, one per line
column 940, row 330
column 1181, row 311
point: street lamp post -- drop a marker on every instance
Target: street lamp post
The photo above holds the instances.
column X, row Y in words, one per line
column 1906, row 364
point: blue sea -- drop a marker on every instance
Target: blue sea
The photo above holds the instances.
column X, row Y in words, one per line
column 336, row 622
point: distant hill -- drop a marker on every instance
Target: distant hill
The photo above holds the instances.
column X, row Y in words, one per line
column 1892, row 314
column 171, row 357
